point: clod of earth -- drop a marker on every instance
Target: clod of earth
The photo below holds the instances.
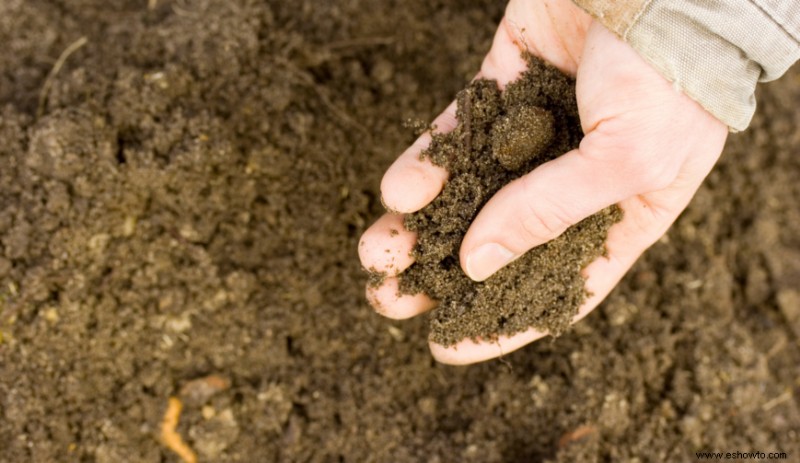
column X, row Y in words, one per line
column 521, row 135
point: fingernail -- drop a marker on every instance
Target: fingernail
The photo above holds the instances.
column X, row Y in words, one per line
column 487, row 259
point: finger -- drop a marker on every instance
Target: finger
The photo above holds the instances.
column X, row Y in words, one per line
column 505, row 62
column 386, row 246
column 558, row 41
column 411, row 182
column 542, row 204
column 387, row 300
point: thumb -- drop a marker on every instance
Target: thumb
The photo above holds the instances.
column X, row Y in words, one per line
column 541, row 205
column 631, row 116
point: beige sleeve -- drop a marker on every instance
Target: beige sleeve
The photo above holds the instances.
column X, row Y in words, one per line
column 714, row 51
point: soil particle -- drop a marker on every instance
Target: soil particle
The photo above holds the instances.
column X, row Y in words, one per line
column 500, row 137
column 197, row 391
column 214, row 106
column 789, row 304
column 215, row 434
column 375, row 278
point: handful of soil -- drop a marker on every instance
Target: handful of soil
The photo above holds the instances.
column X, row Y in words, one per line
column 500, row 137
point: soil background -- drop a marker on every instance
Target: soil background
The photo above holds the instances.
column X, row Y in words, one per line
column 189, row 204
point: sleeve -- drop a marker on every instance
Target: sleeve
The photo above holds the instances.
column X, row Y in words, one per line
column 714, row 51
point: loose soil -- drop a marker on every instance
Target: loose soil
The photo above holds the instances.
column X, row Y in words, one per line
column 500, row 137
column 182, row 221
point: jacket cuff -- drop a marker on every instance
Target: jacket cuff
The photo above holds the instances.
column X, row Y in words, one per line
column 715, row 52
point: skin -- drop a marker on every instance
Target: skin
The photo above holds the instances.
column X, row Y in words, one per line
column 648, row 147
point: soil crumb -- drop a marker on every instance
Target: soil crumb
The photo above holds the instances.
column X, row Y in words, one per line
column 182, row 222
column 499, row 138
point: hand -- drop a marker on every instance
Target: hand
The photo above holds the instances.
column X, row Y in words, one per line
column 647, row 147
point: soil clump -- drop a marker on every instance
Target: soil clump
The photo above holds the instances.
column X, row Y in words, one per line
column 182, row 223
column 499, row 138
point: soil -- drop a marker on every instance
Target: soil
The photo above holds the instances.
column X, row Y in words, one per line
column 182, row 221
column 500, row 137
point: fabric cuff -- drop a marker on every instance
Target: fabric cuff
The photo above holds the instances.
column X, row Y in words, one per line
column 715, row 52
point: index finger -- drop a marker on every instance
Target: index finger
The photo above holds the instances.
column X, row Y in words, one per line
column 412, row 182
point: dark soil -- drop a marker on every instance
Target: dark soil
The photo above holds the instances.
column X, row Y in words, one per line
column 500, row 137
column 189, row 205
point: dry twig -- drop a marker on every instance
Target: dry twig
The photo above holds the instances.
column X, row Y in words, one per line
column 74, row 46
column 170, row 437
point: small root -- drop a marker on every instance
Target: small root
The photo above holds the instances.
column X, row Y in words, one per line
column 170, row 437
column 74, row 46
column 769, row 405
column 579, row 434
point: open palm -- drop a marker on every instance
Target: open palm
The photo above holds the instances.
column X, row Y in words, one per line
column 647, row 147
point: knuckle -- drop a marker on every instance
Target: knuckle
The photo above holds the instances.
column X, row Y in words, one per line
column 537, row 227
column 542, row 219
column 657, row 175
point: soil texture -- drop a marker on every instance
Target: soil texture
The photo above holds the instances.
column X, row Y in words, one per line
column 499, row 138
column 178, row 235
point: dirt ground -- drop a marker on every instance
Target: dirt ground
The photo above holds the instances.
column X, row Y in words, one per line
column 182, row 220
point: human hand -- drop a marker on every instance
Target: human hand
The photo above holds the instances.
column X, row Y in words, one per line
column 647, row 148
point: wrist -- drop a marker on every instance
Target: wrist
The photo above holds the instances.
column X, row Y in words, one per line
column 715, row 55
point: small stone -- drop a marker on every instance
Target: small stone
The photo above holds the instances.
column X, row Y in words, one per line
column 200, row 390
column 129, row 226
column 396, row 333
column 51, row 315
column 382, row 71
column 216, row 301
column 97, row 243
column 277, row 408
column 179, row 324
column 615, row 414
column 212, row 437
column 208, row 412
column 789, row 305
column 189, row 233
column 427, row 406
column 621, row 312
